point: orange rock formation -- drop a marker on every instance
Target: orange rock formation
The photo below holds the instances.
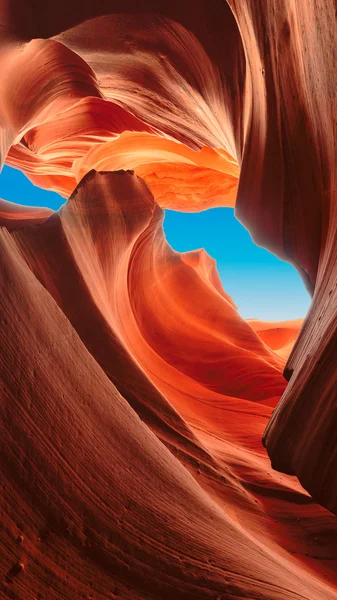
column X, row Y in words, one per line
column 134, row 397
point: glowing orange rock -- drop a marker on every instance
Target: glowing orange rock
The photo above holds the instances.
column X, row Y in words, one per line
column 278, row 336
column 256, row 80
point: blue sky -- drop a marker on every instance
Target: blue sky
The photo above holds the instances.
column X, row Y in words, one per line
column 15, row 186
column 261, row 285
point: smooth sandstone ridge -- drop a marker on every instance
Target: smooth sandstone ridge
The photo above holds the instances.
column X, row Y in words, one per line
column 135, row 397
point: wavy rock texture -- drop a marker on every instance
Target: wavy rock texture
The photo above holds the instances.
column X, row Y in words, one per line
column 211, row 104
column 14, row 216
column 280, row 336
column 133, row 417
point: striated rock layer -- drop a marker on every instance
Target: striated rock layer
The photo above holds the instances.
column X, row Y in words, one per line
column 211, row 104
column 132, row 419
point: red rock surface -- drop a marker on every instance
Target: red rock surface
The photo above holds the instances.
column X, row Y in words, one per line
column 132, row 420
column 280, row 336
column 134, row 397
column 14, row 216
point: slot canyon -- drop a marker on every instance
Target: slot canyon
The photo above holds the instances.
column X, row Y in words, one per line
column 156, row 444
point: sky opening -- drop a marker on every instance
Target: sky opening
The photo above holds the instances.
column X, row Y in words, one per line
column 261, row 285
